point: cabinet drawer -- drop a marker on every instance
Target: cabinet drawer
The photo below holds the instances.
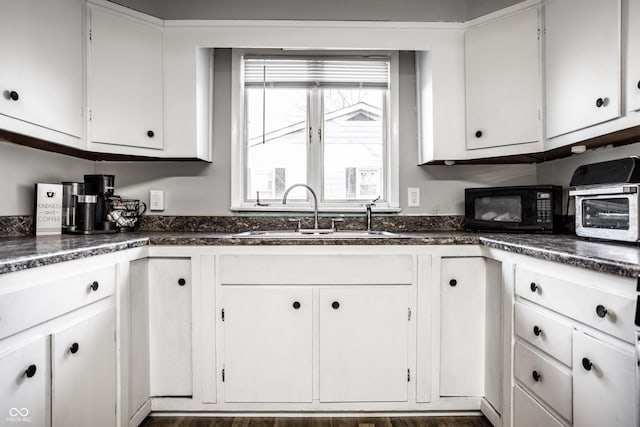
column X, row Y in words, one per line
column 36, row 303
column 544, row 332
column 529, row 413
column 544, row 378
column 606, row 311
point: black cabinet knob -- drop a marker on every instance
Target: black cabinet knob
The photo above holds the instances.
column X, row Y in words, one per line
column 74, row 348
column 182, row 282
column 478, row 134
column 335, row 305
column 31, row 371
column 13, row 95
column 150, row 134
column 586, row 364
column 453, row 282
column 638, row 84
column 601, row 311
column 296, row 305
column 533, row 287
column 537, row 331
column 600, row 102
column 536, row 376
column 94, row 286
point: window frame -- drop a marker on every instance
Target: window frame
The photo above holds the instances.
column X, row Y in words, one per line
column 240, row 201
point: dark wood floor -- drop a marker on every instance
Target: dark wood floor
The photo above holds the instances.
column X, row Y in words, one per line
column 477, row 421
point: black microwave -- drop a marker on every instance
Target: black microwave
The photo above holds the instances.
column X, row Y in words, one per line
column 529, row 209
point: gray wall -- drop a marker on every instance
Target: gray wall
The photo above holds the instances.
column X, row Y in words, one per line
column 353, row 10
column 21, row 167
column 204, row 189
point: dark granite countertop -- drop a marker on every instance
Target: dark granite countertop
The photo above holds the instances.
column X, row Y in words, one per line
column 20, row 253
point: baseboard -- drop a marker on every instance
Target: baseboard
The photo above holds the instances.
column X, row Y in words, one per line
column 142, row 413
column 489, row 411
column 310, row 414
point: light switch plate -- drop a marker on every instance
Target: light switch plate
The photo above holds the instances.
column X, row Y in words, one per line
column 413, row 197
column 156, row 200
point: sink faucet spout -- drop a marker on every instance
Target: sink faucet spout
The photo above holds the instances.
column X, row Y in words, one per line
column 315, row 201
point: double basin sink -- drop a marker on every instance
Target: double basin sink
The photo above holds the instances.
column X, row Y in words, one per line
column 318, row 234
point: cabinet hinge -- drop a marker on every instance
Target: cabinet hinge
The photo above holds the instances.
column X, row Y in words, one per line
column 408, row 375
column 90, row 35
column 222, row 374
column 222, row 315
column 539, row 115
column 539, row 33
column 90, row 115
column 409, row 317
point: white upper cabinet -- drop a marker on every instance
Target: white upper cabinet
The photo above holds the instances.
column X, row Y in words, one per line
column 42, row 69
column 631, row 23
column 503, row 81
column 582, row 64
column 125, row 83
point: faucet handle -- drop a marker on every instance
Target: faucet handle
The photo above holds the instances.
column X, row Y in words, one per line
column 372, row 202
column 334, row 221
column 297, row 221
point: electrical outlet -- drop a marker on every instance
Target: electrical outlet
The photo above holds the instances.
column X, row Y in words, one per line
column 156, row 200
column 413, row 197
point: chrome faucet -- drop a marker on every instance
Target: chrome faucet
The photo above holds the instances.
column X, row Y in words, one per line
column 368, row 207
column 315, row 201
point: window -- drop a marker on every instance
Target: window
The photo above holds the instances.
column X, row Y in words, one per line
column 322, row 120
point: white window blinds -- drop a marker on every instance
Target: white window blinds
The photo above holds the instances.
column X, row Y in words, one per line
column 287, row 71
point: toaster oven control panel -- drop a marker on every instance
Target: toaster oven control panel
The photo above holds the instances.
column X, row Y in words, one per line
column 544, row 208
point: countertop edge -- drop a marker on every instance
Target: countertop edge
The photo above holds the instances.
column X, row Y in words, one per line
column 594, row 263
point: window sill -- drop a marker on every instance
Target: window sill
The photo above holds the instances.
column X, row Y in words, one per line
column 308, row 209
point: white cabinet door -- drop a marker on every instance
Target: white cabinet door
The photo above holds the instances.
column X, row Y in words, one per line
column 604, row 384
column 170, row 327
column 42, row 70
column 503, row 81
column 268, row 348
column 462, row 326
column 582, row 58
column 84, row 372
column 138, row 325
column 125, row 81
column 363, row 344
column 631, row 24
column 25, row 382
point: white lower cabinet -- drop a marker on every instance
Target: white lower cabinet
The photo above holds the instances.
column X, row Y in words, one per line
column 170, row 336
column 529, row 413
column 84, row 372
column 25, row 381
column 268, row 344
column 462, row 327
column 574, row 359
column 604, row 384
column 363, row 344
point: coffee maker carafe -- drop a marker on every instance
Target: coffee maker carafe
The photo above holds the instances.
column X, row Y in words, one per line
column 70, row 193
column 101, row 186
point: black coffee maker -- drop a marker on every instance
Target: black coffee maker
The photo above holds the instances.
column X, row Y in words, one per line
column 101, row 186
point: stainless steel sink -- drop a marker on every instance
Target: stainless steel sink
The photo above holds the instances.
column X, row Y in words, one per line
column 323, row 234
